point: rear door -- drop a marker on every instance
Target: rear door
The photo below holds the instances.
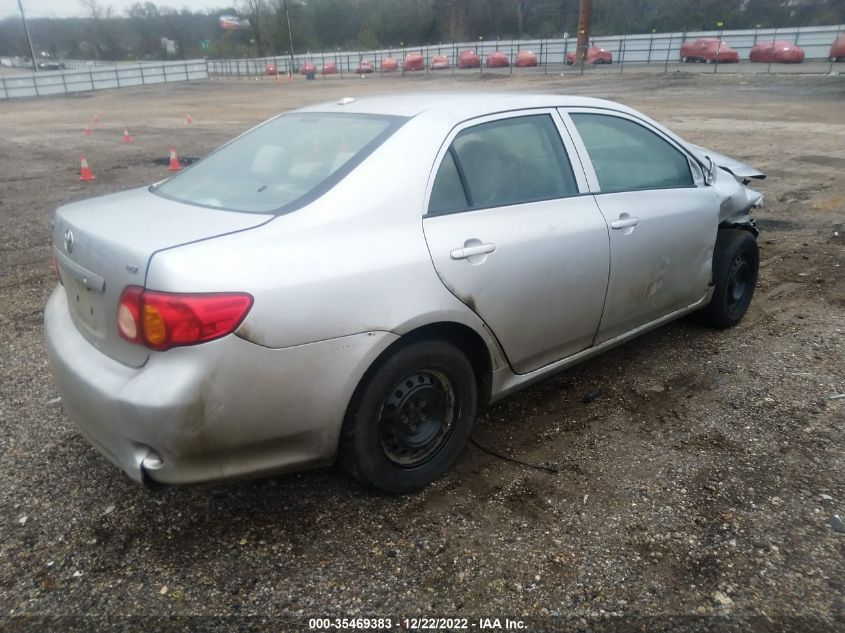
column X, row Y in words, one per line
column 663, row 218
column 514, row 234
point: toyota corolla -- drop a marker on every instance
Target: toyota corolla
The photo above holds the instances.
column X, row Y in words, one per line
column 354, row 280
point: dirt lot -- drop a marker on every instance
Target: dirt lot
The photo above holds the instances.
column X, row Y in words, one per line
column 696, row 492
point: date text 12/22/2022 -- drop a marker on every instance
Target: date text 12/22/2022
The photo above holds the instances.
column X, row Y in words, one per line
column 416, row 624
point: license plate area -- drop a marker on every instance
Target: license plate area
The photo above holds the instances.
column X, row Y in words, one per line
column 87, row 306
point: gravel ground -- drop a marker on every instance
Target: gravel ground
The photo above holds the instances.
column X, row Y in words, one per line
column 695, row 488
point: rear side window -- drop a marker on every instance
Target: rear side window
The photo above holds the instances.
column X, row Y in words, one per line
column 282, row 164
column 626, row 156
column 506, row 162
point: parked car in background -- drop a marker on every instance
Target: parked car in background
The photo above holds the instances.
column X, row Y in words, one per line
column 526, row 59
column 414, row 61
column 51, row 65
column 497, row 59
column 266, row 309
column 439, row 62
column 269, row 69
column 389, row 64
column 469, row 59
column 329, row 68
column 837, row 49
column 365, row 66
column 708, row 50
column 594, row 55
column 777, row 52
column 308, row 68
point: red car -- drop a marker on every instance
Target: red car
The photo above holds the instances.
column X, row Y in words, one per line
column 308, row 68
column 439, row 62
column 270, row 69
column 469, row 59
column 777, row 51
column 595, row 55
column 330, row 68
column 525, row 59
column 708, row 50
column 414, row 61
column 497, row 60
column 365, row 66
column 837, row 50
column 388, row 64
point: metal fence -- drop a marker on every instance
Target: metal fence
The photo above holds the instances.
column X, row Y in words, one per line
column 659, row 52
column 660, row 49
column 68, row 81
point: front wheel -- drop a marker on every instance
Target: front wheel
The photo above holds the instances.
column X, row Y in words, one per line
column 411, row 418
column 736, row 260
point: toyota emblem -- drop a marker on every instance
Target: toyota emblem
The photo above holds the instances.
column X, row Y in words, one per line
column 69, row 241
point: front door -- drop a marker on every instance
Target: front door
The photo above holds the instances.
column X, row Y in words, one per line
column 663, row 219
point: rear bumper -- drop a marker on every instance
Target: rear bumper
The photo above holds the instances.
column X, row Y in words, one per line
column 222, row 410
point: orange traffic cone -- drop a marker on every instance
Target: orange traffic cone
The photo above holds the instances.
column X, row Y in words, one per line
column 174, row 161
column 126, row 137
column 84, row 170
column 188, row 119
column 87, row 131
column 96, row 118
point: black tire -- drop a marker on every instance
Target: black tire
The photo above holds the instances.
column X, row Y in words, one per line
column 736, row 261
column 410, row 418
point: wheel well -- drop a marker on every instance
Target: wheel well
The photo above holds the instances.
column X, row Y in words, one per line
column 462, row 337
column 745, row 226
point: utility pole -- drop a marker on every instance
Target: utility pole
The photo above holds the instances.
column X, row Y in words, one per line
column 585, row 14
column 28, row 40
column 290, row 37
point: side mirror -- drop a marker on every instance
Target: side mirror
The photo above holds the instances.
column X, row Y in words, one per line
column 710, row 172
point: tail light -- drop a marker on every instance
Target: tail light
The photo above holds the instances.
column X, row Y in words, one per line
column 161, row 320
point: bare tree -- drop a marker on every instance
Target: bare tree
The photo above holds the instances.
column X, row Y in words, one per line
column 257, row 12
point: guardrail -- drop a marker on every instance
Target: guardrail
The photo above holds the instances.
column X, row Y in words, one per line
column 68, row 81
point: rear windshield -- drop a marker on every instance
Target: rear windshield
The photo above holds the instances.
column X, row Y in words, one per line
column 282, row 164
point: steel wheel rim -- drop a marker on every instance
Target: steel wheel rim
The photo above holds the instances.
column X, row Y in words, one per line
column 739, row 282
column 417, row 417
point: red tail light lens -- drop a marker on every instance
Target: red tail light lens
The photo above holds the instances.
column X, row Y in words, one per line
column 161, row 320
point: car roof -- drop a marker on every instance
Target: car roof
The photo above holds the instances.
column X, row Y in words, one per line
column 458, row 106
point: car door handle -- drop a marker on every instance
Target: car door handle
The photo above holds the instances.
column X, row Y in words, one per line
column 624, row 222
column 469, row 251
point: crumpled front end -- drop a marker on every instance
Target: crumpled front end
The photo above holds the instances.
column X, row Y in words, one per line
column 730, row 181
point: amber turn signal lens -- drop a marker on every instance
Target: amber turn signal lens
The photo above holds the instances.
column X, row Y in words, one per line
column 155, row 330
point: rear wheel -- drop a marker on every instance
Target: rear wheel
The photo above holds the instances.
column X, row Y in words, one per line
column 736, row 260
column 411, row 418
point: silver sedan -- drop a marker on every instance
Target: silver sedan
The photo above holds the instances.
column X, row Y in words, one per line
column 353, row 280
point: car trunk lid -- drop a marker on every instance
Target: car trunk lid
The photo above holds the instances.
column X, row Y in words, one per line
column 104, row 244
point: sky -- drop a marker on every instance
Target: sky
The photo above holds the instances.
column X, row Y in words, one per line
column 74, row 8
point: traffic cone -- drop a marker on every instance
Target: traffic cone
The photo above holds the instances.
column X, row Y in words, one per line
column 188, row 119
column 87, row 131
column 126, row 137
column 84, row 170
column 175, row 165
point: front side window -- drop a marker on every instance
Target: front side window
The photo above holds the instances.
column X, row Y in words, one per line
column 281, row 164
column 505, row 162
column 626, row 156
